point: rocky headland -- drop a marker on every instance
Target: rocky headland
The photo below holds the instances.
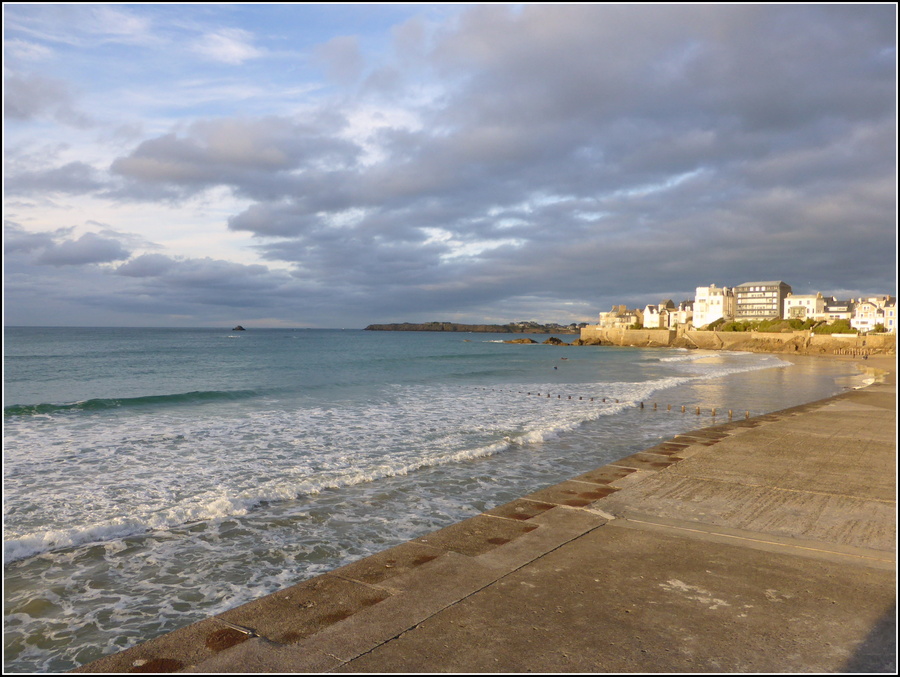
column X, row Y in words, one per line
column 512, row 328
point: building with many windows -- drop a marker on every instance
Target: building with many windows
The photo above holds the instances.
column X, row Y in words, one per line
column 755, row 301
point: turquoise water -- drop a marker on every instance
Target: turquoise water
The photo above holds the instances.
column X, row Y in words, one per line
column 153, row 477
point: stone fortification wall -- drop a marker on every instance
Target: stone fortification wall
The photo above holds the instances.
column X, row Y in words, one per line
column 798, row 342
column 627, row 337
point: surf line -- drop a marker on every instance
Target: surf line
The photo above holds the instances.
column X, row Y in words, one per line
column 698, row 410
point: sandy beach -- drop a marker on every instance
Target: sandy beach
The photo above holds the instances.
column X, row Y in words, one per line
column 883, row 367
column 759, row 545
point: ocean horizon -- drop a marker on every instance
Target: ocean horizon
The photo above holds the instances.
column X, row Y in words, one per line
column 155, row 476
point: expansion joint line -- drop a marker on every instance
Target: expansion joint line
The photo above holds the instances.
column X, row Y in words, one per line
column 472, row 593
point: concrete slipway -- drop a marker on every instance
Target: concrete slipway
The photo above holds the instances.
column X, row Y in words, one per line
column 763, row 545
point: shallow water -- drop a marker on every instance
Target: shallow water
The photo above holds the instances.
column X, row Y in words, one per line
column 155, row 477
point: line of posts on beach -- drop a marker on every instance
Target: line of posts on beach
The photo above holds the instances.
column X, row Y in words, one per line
column 640, row 405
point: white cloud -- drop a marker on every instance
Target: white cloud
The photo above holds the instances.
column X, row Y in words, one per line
column 227, row 45
column 81, row 26
column 26, row 50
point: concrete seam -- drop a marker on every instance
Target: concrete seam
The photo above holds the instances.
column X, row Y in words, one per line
column 506, row 519
column 590, row 484
column 474, row 592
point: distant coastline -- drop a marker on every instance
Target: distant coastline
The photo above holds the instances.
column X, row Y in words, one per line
column 512, row 328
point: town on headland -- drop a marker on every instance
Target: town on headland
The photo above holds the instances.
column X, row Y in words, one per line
column 760, row 316
column 760, row 306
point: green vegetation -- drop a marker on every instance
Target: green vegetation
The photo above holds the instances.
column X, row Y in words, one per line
column 769, row 326
column 783, row 326
column 836, row 327
column 801, row 325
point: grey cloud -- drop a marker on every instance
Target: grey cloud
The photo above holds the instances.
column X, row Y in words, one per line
column 89, row 248
column 342, row 58
column 26, row 98
column 146, row 265
column 149, row 290
column 74, row 177
column 30, row 97
column 203, row 281
column 248, row 155
column 289, row 219
column 17, row 240
column 410, row 39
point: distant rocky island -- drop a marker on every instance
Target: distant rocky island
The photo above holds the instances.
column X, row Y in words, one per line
column 511, row 328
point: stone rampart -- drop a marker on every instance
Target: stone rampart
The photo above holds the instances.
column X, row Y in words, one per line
column 797, row 342
column 628, row 337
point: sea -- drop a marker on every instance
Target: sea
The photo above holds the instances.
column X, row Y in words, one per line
column 155, row 477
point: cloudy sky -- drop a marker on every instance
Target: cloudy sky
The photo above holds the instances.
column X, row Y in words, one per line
column 339, row 165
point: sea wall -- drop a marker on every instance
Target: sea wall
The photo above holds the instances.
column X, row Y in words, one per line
column 628, row 337
column 797, row 342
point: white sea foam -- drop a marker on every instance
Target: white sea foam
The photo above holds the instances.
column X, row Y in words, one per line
column 693, row 355
column 162, row 472
column 690, row 357
column 33, row 544
column 337, row 449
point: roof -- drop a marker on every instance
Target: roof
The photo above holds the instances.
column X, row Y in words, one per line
column 769, row 283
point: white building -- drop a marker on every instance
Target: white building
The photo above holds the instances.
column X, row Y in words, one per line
column 866, row 315
column 804, row 306
column 890, row 316
column 683, row 314
column 870, row 312
column 658, row 317
column 838, row 310
column 712, row 303
column 620, row 317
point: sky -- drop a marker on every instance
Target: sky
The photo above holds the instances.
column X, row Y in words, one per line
column 337, row 165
